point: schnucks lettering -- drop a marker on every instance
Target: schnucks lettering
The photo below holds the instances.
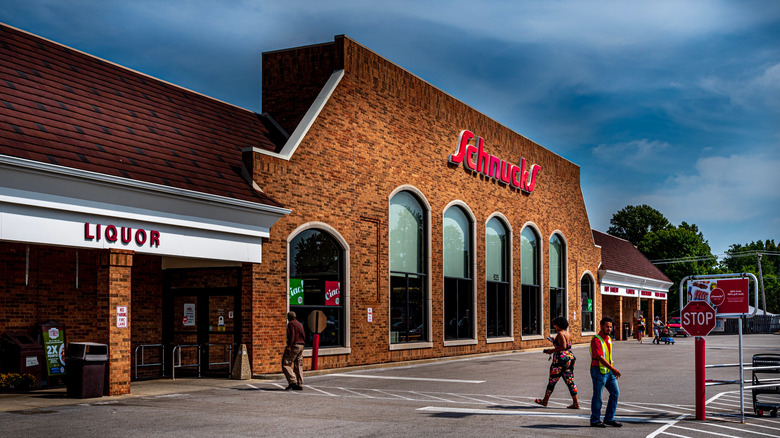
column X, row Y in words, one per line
column 476, row 159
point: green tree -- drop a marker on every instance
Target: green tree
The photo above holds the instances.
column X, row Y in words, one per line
column 669, row 246
column 744, row 258
column 634, row 221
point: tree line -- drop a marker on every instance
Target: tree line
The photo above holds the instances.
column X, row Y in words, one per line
column 680, row 251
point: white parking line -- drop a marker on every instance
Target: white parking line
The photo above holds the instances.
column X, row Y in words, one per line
column 709, row 432
column 354, row 392
column 391, row 394
column 422, row 379
column 741, row 430
column 663, row 428
column 324, row 392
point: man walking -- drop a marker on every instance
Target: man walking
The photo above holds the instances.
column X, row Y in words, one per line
column 292, row 360
column 604, row 375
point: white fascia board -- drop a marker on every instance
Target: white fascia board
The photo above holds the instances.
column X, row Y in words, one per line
column 630, row 281
column 56, row 187
column 303, row 127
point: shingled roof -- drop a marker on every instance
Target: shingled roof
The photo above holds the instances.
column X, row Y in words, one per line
column 620, row 255
column 68, row 108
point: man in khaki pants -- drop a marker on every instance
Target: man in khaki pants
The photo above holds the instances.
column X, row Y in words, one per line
column 292, row 360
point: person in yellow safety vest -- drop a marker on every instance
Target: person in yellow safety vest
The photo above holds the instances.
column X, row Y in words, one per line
column 604, row 375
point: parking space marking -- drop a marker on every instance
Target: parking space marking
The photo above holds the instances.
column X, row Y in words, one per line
column 709, row 432
column 324, row 392
column 741, row 430
column 421, row 379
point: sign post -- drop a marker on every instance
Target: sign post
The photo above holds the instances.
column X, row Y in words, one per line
column 729, row 294
column 317, row 322
column 698, row 319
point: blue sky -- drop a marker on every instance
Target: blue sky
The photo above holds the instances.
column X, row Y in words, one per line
column 674, row 104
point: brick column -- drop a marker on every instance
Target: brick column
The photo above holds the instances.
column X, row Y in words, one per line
column 251, row 277
column 617, row 324
column 113, row 290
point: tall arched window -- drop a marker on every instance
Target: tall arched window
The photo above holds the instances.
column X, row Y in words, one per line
column 316, row 275
column 588, row 306
column 408, row 296
column 458, row 278
column 531, row 316
column 498, row 296
column 557, row 278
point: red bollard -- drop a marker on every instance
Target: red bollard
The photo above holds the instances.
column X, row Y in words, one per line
column 315, row 351
column 701, row 376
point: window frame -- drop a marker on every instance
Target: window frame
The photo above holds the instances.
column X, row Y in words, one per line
column 592, row 281
column 345, row 286
column 472, row 268
column 509, row 279
column 426, row 207
column 563, row 273
column 539, row 288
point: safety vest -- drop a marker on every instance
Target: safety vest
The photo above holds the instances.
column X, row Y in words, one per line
column 607, row 354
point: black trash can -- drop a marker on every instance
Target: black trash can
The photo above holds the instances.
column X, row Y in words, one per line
column 85, row 364
column 626, row 331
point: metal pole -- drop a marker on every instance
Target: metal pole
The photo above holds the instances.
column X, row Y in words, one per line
column 700, row 377
column 741, row 374
column 761, row 278
column 315, row 353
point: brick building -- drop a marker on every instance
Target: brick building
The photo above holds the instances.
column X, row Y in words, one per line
column 419, row 227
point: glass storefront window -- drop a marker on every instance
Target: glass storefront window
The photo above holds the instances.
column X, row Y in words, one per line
column 557, row 279
column 497, row 290
column 531, row 288
column 316, row 271
column 588, row 306
column 458, row 282
column 408, row 296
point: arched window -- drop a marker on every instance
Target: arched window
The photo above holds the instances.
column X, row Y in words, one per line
column 557, row 279
column 531, row 316
column 408, row 274
column 458, row 278
column 316, row 274
column 588, row 306
column 498, row 295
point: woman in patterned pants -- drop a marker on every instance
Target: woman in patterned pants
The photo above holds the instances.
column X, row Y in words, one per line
column 562, row 363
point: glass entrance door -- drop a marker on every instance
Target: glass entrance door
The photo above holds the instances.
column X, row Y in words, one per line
column 201, row 320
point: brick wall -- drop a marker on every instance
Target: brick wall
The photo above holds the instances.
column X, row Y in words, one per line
column 384, row 128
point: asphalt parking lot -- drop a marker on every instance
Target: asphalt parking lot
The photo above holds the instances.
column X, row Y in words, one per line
column 475, row 396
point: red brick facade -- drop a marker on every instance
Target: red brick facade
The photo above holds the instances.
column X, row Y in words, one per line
column 384, row 128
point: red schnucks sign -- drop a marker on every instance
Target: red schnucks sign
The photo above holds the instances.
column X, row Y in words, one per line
column 476, row 159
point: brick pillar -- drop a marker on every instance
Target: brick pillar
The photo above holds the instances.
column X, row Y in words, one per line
column 250, row 310
column 617, row 326
column 664, row 311
column 113, row 290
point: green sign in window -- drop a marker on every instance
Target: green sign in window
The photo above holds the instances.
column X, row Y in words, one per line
column 296, row 291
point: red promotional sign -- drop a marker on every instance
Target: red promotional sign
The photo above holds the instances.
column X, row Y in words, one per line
column 735, row 296
column 697, row 318
column 717, row 297
column 332, row 293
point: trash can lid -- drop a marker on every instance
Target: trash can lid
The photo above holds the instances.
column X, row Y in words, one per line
column 87, row 351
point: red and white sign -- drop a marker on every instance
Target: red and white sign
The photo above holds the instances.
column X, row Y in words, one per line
column 697, row 318
column 370, row 311
column 728, row 295
column 332, row 293
column 121, row 316
column 475, row 159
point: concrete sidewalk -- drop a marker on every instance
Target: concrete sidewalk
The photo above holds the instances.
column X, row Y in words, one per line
column 57, row 396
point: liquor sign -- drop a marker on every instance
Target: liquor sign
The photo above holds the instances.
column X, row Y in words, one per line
column 474, row 158
column 54, row 346
column 296, row 291
column 332, row 293
column 188, row 320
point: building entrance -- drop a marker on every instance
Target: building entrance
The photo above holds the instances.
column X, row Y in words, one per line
column 202, row 328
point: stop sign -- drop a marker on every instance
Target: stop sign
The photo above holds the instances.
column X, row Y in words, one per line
column 697, row 318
